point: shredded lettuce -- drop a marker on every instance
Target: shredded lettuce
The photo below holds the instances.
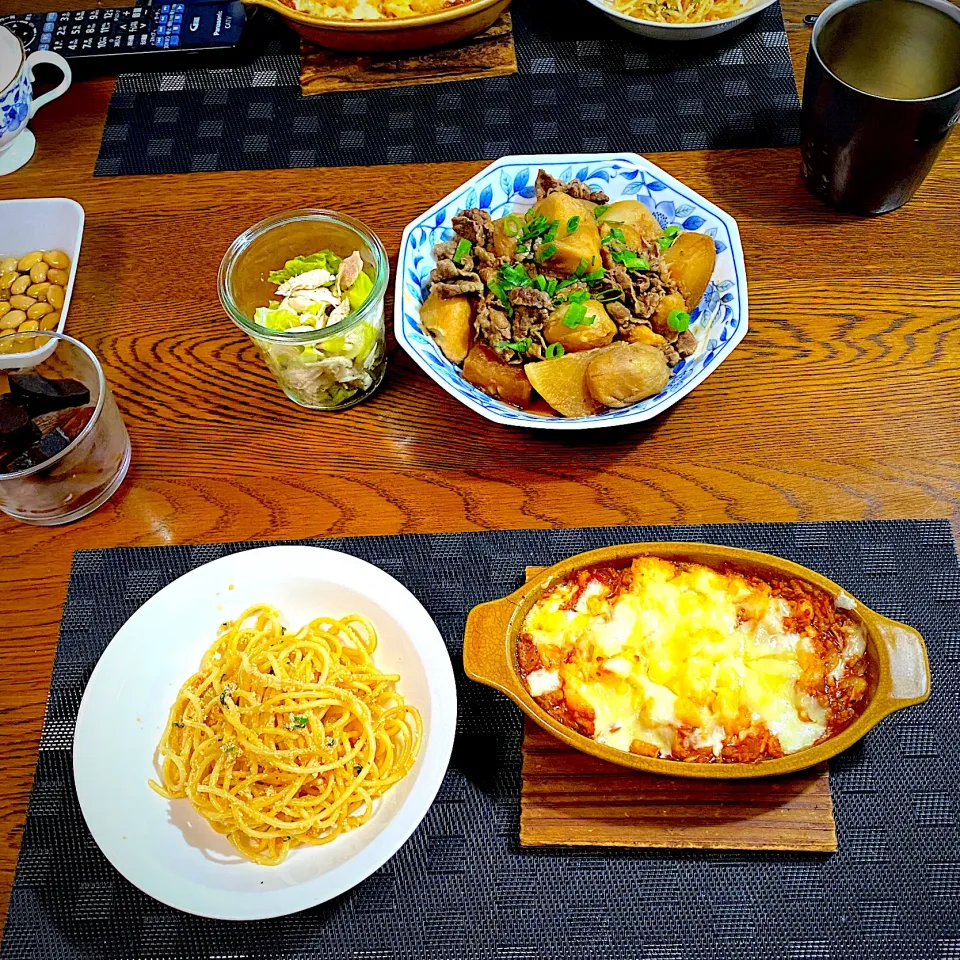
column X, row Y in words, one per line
column 275, row 319
column 324, row 259
column 360, row 290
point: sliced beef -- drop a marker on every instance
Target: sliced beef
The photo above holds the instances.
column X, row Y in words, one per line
column 547, row 184
column 531, row 297
column 686, row 344
column 474, row 225
column 492, row 325
column 618, row 312
column 456, row 280
column 444, row 250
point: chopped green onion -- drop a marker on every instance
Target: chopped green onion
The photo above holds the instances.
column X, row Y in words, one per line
column 572, row 224
column 600, row 210
column 522, row 248
column 540, row 282
column 512, row 225
column 579, row 296
column 596, row 276
column 608, row 296
column 664, row 243
column 521, row 346
column 300, row 722
column 576, row 316
column 630, row 260
column 618, row 234
column 555, row 350
column 678, row 320
column 500, row 294
column 672, row 231
column 551, row 233
column 606, row 241
column 552, row 286
column 463, row 248
column 548, row 251
column 514, row 275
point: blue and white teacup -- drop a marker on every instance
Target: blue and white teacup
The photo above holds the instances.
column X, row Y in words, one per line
column 17, row 104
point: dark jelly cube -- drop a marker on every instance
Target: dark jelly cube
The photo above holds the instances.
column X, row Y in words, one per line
column 16, row 430
column 35, row 394
column 74, row 393
column 53, row 442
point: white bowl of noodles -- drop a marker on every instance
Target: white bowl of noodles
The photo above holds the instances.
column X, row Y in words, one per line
column 688, row 19
column 165, row 846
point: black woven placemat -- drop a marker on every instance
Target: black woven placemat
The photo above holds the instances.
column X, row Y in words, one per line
column 584, row 86
column 461, row 887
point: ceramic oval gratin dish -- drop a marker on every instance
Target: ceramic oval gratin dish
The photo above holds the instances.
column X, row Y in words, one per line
column 392, row 36
column 898, row 673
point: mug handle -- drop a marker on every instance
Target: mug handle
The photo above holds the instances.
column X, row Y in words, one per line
column 47, row 56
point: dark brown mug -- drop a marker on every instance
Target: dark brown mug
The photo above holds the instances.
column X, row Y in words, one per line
column 881, row 94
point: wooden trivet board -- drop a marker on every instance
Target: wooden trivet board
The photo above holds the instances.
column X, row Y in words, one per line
column 489, row 54
column 568, row 798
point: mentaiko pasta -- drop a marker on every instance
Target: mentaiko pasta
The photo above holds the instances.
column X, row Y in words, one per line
column 287, row 738
column 682, row 11
column 683, row 662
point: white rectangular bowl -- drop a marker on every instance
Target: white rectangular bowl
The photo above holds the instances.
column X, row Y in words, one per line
column 43, row 223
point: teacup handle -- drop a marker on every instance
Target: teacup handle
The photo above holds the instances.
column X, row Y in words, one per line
column 46, row 56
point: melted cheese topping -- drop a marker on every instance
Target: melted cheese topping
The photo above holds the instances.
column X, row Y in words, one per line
column 682, row 648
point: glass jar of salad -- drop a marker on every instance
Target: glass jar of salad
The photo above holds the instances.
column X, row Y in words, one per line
column 307, row 286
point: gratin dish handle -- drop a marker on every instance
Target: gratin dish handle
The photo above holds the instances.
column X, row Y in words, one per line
column 485, row 646
column 909, row 667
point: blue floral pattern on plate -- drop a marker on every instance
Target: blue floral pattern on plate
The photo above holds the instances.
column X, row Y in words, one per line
column 719, row 321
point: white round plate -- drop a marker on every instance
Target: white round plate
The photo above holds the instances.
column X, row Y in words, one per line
column 165, row 847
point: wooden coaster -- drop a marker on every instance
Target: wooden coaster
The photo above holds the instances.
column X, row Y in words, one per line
column 568, row 798
column 489, row 54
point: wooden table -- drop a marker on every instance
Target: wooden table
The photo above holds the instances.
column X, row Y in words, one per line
column 843, row 402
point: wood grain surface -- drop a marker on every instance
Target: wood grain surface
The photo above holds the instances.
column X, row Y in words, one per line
column 568, row 799
column 843, row 401
column 488, row 54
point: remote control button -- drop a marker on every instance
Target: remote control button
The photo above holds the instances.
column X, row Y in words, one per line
column 47, row 28
column 177, row 17
column 44, row 46
column 175, row 29
column 165, row 8
column 51, row 17
column 174, row 41
column 137, row 12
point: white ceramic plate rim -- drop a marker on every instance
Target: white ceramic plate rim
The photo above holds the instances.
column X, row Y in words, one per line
column 92, row 775
column 704, row 25
column 578, row 423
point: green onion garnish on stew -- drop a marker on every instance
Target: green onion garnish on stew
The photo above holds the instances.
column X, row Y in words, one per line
column 551, row 233
column 572, row 224
column 576, row 316
column 555, row 350
column 600, row 210
column 579, row 296
column 608, row 296
column 514, row 275
column 672, row 231
column 521, row 346
column 540, row 282
column 500, row 294
column 463, row 248
column 552, row 286
column 630, row 260
column 678, row 320
column 512, row 225
column 548, row 251
column 596, row 276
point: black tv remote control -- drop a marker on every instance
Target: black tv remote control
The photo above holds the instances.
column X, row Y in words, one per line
column 134, row 38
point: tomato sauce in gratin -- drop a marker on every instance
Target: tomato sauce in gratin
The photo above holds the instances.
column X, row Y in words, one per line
column 684, row 662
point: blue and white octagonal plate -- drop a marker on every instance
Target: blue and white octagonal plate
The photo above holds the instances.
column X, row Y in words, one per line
column 719, row 322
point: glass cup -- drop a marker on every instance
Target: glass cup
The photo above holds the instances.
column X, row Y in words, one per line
column 327, row 369
column 880, row 96
column 88, row 465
